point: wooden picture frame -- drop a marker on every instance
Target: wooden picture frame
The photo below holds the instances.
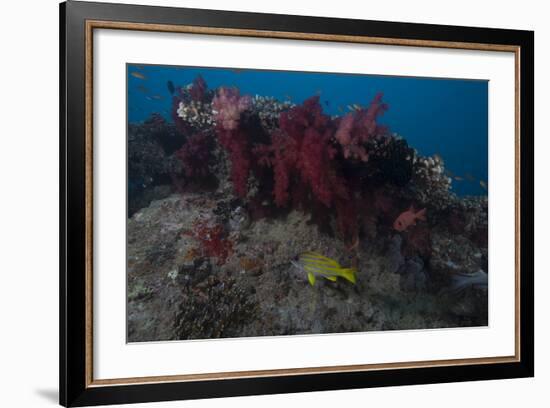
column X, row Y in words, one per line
column 78, row 20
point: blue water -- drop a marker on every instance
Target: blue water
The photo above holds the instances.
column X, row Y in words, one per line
column 444, row 116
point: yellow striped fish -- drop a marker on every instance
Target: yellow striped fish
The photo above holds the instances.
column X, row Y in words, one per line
column 314, row 264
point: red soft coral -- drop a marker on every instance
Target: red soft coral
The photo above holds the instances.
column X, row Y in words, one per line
column 281, row 155
column 198, row 89
column 302, row 150
column 315, row 167
column 213, row 240
column 283, row 163
column 195, row 154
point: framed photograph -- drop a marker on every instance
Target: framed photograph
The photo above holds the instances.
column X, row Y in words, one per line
column 256, row 204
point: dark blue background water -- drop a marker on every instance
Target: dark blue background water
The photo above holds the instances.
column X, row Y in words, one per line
column 444, row 116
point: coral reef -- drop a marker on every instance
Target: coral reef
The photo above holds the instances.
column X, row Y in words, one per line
column 431, row 184
column 191, row 107
column 150, row 162
column 222, row 200
column 269, row 110
column 194, row 113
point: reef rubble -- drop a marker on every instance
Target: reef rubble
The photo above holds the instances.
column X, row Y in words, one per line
column 177, row 292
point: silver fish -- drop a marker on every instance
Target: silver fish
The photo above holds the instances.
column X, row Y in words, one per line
column 462, row 281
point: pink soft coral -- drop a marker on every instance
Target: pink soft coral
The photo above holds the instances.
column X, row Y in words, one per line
column 356, row 129
column 228, row 106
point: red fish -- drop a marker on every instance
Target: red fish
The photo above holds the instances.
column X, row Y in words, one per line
column 408, row 218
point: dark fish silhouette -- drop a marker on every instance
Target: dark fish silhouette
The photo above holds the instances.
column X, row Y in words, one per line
column 469, row 177
column 171, row 87
column 143, row 89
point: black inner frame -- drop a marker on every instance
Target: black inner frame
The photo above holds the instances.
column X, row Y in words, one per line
column 73, row 391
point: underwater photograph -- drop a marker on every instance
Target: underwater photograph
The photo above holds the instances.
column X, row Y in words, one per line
column 268, row 203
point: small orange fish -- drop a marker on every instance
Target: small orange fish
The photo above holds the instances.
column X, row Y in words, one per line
column 408, row 218
column 138, row 75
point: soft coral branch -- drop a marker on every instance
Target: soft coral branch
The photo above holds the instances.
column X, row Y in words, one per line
column 213, row 240
column 198, row 89
column 228, row 106
column 195, row 154
column 302, row 149
column 358, row 128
